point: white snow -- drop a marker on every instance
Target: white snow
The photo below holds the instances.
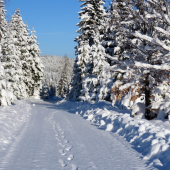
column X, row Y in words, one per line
column 50, row 135
column 12, row 121
column 150, row 138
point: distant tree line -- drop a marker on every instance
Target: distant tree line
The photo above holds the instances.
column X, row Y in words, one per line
column 57, row 76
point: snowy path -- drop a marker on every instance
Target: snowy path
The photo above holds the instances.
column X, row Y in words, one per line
column 55, row 139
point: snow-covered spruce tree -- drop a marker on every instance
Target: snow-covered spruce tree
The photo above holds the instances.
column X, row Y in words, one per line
column 148, row 71
column 116, row 40
column 36, row 66
column 45, row 91
column 109, row 41
column 20, row 35
column 91, row 26
column 97, row 84
column 62, row 86
column 63, row 82
column 121, row 19
column 11, row 63
column 6, row 92
column 157, row 48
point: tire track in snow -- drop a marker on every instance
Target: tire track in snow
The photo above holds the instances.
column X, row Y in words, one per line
column 12, row 149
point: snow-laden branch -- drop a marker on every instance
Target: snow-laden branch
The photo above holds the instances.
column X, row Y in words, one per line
column 112, row 58
column 115, row 69
column 152, row 40
column 167, row 18
column 127, row 85
column 149, row 66
column 162, row 31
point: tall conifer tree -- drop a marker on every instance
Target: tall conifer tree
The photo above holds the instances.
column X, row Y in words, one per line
column 6, row 92
column 20, row 35
column 91, row 24
column 36, row 66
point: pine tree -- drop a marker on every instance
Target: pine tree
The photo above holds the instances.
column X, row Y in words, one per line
column 147, row 58
column 20, row 35
column 6, row 93
column 11, row 63
column 45, row 91
column 36, row 66
column 63, row 82
column 91, row 23
column 95, row 85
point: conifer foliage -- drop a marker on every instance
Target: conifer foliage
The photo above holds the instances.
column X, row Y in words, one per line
column 63, row 86
column 90, row 53
column 21, row 69
column 124, row 51
column 6, row 92
column 36, row 67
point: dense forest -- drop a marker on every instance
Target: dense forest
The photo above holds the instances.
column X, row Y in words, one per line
column 123, row 54
column 21, row 70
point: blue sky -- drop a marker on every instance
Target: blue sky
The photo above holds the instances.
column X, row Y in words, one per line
column 55, row 23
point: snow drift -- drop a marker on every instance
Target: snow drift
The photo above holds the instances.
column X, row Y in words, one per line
column 150, row 138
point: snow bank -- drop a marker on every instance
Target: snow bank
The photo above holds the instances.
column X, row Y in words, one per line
column 149, row 138
column 12, row 118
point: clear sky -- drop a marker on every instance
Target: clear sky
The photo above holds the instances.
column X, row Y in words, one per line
column 55, row 23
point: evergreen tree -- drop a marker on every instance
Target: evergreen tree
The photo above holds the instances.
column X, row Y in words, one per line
column 6, row 93
column 145, row 60
column 95, row 85
column 63, row 82
column 11, row 63
column 20, row 35
column 36, row 66
column 91, row 23
column 45, row 91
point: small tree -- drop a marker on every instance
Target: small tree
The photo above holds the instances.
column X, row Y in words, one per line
column 63, row 82
column 45, row 91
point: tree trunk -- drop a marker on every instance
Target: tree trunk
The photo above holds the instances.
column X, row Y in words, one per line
column 148, row 114
column 147, row 98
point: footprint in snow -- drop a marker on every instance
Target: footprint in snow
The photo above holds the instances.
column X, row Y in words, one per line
column 68, row 148
column 62, row 133
column 63, row 136
column 70, row 157
column 66, row 141
column 62, row 152
column 61, row 144
column 58, row 126
column 92, row 166
column 74, row 167
column 63, row 164
column 58, row 139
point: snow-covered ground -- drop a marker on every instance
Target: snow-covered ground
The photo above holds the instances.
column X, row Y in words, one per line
column 12, row 122
column 38, row 134
column 150, row 138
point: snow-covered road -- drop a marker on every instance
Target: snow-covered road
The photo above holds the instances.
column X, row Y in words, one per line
column 55, row 138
